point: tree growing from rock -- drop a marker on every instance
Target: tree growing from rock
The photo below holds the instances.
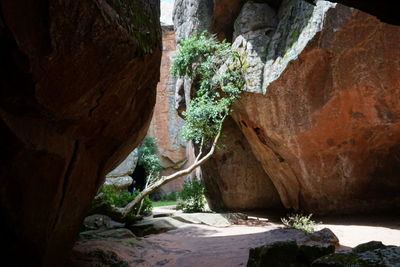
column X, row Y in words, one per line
column 217, row 74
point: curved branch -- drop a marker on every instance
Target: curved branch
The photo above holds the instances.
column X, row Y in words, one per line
column 166, row 179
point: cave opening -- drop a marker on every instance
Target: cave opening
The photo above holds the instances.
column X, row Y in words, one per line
column 139, row 176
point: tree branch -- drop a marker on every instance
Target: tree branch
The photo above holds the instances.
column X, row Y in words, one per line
column 166, row 179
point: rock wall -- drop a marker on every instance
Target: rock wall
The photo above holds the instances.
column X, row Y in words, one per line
column 227, row 183
column 321, row 116
column 233, row 177
column 120, row 177
column 78, row 83
column 326, row 126
column 166, row 125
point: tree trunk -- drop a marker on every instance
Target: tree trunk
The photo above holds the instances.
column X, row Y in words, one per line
column 166, row 179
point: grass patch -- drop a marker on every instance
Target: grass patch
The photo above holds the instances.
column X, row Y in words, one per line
column 164, row 203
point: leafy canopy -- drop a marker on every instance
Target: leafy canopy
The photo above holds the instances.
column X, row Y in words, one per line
column 216, row 70
column 148, row 158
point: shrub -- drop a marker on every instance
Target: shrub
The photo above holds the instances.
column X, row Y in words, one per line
column 191, row 198
column 300, row 222
column 170, row 197
column 111, row 195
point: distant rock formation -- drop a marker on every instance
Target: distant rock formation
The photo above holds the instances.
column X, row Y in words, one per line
column 166, row 124
column 120, row 176
column 78, row 82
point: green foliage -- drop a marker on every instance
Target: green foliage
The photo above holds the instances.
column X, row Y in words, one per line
column 191, row 198
column 216, row 71
column 173, row 196
column 147, row 156
column 111, row 195
column 300, row 222
column 164, row 203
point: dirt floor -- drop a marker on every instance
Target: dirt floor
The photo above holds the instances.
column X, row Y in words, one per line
column 200, row 245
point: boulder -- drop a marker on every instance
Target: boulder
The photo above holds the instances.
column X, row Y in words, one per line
column 326, row 128
column 78, row 83
column 319, row 113
column 120, row 177
column 234, row 179
column 151, row 226
column 370, row 254
column 118, row 233
column 100, row 222
column 212, row 219
column 287, row 254
column 126, row 167
column 119, row 183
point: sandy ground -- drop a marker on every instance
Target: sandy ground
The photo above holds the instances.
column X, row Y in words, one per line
column 197, row 245
column 200, row 245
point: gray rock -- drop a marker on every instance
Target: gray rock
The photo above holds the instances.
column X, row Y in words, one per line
column 364, row 255
column 119, row 182
column 254, row 17
column 190, row 16
column 126, row 167
column 325, row 236
column 368, row 246
column 98, row 221
column 119, row 177
column 252, row 32
column 287, row 254
column 212, row 219
column 154, row 226
column 120, row 233
column 299, row 22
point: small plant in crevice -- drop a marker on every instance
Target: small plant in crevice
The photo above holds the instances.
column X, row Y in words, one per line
column 191, row 198
column 300, row 222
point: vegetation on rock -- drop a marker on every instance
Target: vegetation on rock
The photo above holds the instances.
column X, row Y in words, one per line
column 216, row 71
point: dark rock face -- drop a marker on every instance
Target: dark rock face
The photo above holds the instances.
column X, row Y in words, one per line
column 370, row 254
column 382, row 9
column 287, row 254
column 77, row 83
column 233, row 172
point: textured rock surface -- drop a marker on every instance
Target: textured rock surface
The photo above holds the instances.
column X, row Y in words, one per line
column 166, row 124
column 327, row 130
column 234, row 179
column 120, row 176
column 253, row 30
column 365, row 255
column 190, row 16
column 287, row 253
column 78, row 83
column 323, row 118
column 383, row 10
column 126, row 167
